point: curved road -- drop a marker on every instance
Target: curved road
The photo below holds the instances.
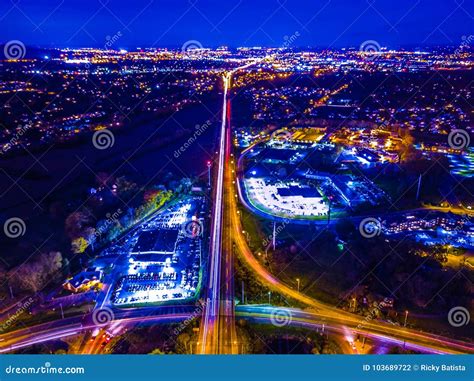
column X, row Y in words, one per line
column 332, row 314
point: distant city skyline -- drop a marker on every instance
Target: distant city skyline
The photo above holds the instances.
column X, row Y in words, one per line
column 300, row 23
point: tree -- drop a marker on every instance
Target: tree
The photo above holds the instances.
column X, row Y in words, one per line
column 183, row 343
column 157, row 351
column 76, row 223
column 34, row 276
column 27, row 277
column 79, row 245
column 125, row 188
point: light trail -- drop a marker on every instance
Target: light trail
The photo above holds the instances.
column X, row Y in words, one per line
column 208, row 335
column 47, row 332
column 376, row 329
column 209, row 339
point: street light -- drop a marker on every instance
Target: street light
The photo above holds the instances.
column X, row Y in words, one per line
column 406, row 317
column 298, row 281
column 209, row 164
column 269, row 296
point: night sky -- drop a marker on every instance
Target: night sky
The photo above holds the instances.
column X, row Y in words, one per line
column 170, row 23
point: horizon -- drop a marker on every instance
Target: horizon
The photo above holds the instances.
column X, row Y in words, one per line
column 296, row 48
column 151, row 23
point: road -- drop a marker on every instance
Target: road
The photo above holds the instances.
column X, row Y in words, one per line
column 375, row 329
column 216, row 319
column 264, row 314
column 60, row 329
column 333, row 315
column 217, row 331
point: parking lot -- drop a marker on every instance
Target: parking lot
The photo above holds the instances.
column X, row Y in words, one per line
column 288, row 198
column 163, row 257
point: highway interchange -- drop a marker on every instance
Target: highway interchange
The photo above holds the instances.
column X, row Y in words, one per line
column 218, row 334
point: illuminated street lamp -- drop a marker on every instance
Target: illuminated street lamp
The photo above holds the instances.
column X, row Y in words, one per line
column 209, row 164
column 298, row 281
column 406, row 317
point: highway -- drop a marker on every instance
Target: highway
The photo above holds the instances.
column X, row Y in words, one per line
column 217, row 331
column 375, row 329
column 60, row 329
column 216, row 316
column 341, row 328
